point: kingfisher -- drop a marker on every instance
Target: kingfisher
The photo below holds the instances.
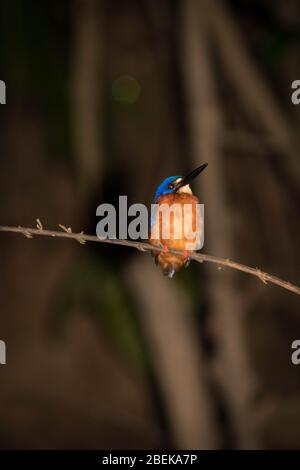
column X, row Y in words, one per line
column 176, row 229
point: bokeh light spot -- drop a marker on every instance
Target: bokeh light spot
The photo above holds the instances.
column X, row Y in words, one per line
column 126, row 89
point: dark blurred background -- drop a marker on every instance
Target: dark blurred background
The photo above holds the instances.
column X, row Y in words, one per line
column 106, row 98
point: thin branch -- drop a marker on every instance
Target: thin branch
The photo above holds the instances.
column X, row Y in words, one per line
column 142, row 246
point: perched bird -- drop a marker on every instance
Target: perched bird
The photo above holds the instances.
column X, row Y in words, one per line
column 177, row 229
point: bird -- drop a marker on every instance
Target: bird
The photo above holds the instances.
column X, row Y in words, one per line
column 177, row 229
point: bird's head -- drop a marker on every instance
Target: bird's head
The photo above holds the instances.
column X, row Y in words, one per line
column 177, row 184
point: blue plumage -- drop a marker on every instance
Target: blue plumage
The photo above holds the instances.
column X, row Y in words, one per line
column 163, row 188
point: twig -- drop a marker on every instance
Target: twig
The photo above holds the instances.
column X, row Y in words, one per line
column 143, row 246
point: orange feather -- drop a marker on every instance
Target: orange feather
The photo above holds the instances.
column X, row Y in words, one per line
column 173, row 230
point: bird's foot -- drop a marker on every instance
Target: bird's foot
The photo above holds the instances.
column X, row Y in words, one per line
column 186, row 258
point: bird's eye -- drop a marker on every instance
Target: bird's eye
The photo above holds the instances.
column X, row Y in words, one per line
column 170, row 186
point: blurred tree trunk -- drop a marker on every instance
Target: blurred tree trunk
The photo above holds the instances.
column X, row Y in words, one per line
column 250, row 85
column 85, row 93
column 177, row 359
column 233, row 370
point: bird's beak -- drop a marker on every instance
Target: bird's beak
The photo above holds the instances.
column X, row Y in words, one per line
column 190, row 177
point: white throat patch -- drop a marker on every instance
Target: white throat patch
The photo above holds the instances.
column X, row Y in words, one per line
column 184, row 189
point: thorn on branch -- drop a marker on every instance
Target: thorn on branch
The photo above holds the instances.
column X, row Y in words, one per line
column 261, row 276
column 81, row 240
column 141, row 248
column 39, row 224
column 25, row 232
column 65, row 229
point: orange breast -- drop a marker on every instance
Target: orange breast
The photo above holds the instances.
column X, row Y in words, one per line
column 174, row 222
column 174, row 225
